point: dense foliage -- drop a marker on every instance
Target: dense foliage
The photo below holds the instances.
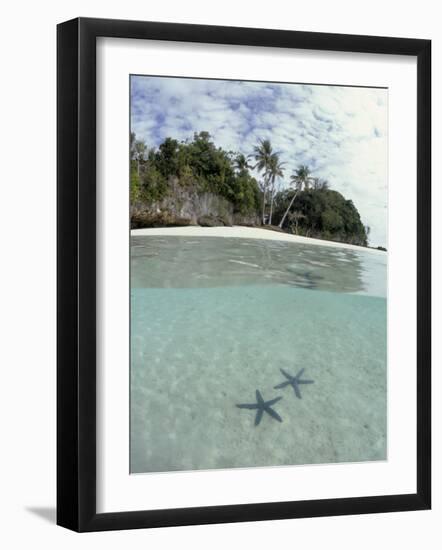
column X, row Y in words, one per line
column 321, row 213
column 197, row 163
column 308, row 207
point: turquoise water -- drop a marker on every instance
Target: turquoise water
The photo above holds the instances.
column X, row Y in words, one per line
column 214, row 319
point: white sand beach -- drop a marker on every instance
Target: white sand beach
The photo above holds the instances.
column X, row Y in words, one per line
column 247, row 233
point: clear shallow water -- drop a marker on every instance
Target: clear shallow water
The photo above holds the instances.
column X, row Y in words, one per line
column 184, row 262
column 213, row 319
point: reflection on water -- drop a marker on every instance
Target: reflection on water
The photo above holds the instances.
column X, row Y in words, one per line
column 183, row 262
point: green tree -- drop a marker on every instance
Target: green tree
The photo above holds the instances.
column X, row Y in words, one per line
column 301, row 178
column 211, row 166
column 241, row 163
column 134, row 184
column 324, row 214
column 320, row 183
column 308, row 208
column 167, row 157
column 274, row 171
column 246, row 196
column 132, row 145
column 294, row 218
column 262, row 154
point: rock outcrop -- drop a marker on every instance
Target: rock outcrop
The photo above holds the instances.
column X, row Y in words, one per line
column 186, row 206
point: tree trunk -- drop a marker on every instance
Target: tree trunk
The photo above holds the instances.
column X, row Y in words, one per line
column 271, row 204
column 288, row 209
column 264, row 203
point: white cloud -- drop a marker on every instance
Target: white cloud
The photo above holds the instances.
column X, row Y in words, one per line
column 340, row 132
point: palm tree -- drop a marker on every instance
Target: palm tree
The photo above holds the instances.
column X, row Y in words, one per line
column 301, row 178
column 262, row 154
column 304, row 174
column 320, row 184
column 241, row 163
column 274, row 171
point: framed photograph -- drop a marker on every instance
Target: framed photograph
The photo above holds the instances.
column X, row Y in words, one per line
column 243, row 274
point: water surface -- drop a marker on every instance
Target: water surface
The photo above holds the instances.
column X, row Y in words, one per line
column 213, row 319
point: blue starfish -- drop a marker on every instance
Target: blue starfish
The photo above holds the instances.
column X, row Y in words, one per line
column 261, row 407
column 294, row 381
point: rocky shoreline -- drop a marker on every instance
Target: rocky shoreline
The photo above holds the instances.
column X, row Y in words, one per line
column 187, row 207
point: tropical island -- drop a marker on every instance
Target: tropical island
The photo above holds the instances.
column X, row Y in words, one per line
column 194, row 182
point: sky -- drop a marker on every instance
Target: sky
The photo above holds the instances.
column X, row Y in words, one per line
column 339, row 132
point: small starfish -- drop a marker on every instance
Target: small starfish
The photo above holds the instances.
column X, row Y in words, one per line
column 294, row 381
column 261, row 407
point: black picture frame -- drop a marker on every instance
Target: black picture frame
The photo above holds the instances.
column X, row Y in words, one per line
column 76, row 274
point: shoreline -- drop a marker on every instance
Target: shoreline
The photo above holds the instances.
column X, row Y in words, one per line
column 246, row 233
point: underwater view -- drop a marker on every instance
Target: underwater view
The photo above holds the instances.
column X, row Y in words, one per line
column 255, row 352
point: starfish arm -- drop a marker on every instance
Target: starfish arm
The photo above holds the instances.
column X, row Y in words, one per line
column 273, row 414
column 258, row 416
column 306, row 381
column 273, row 401
column 286, row 374
column 282, row 385
column 297, row 392
column 300, row 373
column 259, row 398
column 247, row 406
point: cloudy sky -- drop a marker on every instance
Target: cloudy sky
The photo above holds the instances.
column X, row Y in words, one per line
column 339, row 132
